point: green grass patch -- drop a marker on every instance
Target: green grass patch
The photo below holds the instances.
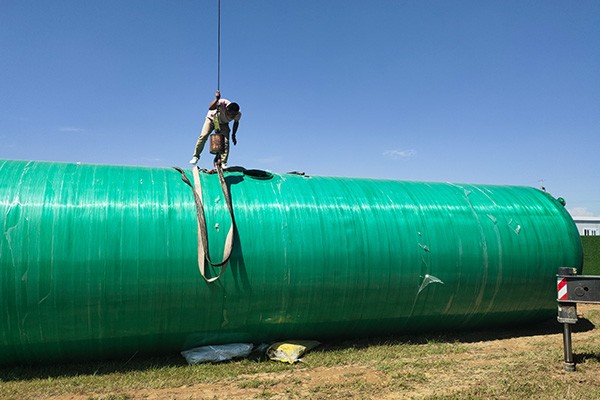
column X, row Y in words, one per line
column 591, row 255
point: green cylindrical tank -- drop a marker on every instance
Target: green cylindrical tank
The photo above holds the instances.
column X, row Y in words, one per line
column 100, row 261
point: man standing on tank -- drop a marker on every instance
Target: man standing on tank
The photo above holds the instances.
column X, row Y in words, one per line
column 226, row 112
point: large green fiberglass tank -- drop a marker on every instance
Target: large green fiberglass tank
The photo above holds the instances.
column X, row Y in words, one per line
column 101, row 261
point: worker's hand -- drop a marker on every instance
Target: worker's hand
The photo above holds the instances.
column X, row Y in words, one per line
column 218, row 95
column 234, row 140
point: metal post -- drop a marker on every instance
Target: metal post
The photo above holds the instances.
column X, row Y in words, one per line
column 567, row 315
column 568, row 364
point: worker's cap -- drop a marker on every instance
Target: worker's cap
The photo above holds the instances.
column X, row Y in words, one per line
column 233, row 108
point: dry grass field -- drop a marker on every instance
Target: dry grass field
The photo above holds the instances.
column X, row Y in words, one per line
column 500, row 364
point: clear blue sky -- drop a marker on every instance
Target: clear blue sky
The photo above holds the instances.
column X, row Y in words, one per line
column 492, row 92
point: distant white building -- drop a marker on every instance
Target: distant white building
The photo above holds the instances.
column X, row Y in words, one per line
column 588, row 226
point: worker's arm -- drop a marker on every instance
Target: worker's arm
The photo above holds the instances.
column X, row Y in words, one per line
column 236, row 124
column 214, row 103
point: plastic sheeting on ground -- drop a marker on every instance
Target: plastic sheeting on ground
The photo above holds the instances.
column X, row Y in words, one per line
column 217, row 353
column 290, row 351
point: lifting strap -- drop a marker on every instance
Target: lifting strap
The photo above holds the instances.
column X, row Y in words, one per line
column 203, row 253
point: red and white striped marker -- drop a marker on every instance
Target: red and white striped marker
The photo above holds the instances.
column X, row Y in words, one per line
column 562, row 289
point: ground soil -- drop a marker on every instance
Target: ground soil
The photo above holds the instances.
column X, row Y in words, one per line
column 474, row 368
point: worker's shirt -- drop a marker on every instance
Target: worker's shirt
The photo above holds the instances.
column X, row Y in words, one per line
column 223, row 117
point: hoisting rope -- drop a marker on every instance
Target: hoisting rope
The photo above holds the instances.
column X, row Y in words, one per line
column 217, row 116
column 203, row 252
column 219, row 49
